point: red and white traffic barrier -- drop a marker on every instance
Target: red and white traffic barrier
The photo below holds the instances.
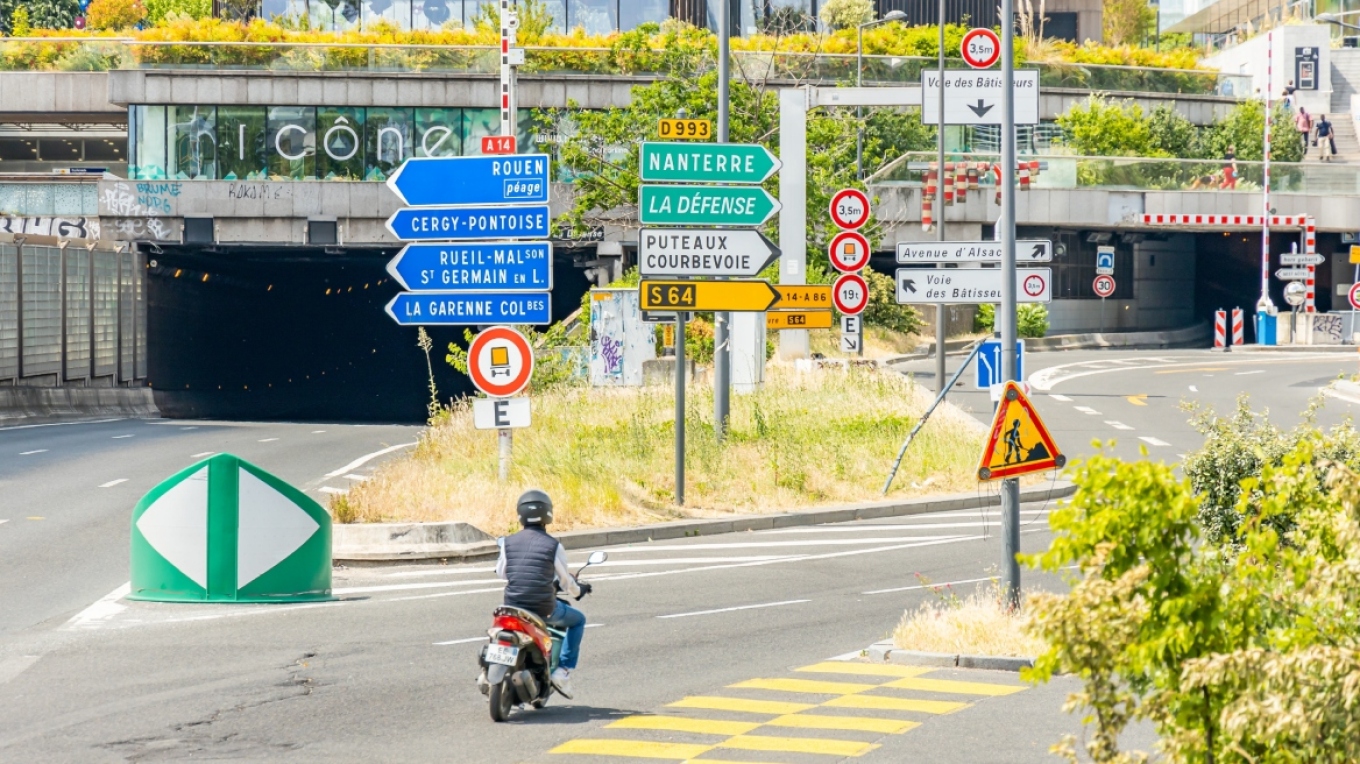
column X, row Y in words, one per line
column 948, row 184
column 928, row 202
column 1220, row 329
column 1237, row 322
column 1309, row 248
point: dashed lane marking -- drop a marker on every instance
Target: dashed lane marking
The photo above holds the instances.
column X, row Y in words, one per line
column 741, row 705
column 461, row 641
column 683, row 724
column 1194, row 389
column 881, row 703
column 357, row 478
column 928, row 586
column 1118, row 425
column 1195, row 370
column 120, row 437
column 954, row 687
column 30, row 453
column 268, row 440
column 61, row 424
column 2, row 522
column 1058, row 397
column 317, row 432
column 732, row 609
column 202, row 455
column 188, row 428
column 1153, row 441
column 1245, row 373
column 1086, row 410
column 330, row 490
column 113, row 483
column 36, row 518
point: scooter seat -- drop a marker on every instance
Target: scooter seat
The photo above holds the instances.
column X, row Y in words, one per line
column 522, row 614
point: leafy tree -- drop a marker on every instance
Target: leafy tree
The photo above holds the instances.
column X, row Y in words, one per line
column 157, row 10
column 1171, row 134
column 535, row 19
column 1244, row 128
column 1100, row 127
column 1127, row 21
column 19, row 25
column 1031, row 321
column 42, row 14
column 115, row 14
column 847, row 14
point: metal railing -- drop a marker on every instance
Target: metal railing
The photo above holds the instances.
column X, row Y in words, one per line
column 1144, row 174
column 105, row 53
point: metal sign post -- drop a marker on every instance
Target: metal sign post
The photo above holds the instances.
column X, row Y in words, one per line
column 722, row 321
column 941, row 311
column 680, row 408
column 1010, row 488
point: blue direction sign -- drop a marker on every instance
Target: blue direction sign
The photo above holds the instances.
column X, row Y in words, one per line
column 505, row 266
column 470, row 309
column 989, row 363
column 511, row 179
column 463, row 223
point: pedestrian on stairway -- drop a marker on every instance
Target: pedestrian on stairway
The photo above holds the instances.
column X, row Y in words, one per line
column 1325, row 139
column 1229, row 169
column 1303, row 122
column 1289, row 95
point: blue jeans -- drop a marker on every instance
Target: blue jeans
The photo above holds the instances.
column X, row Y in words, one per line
column 572, row 621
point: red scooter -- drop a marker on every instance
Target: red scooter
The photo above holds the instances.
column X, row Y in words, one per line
column 517, row 664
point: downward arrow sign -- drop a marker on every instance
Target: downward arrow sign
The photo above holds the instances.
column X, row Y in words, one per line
column 981, row 109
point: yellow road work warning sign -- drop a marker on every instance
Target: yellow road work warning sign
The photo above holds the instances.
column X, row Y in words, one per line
column 1018, row 443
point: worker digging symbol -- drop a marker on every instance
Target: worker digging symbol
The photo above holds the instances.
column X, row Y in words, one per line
column 500, row 361
column 1018, row 442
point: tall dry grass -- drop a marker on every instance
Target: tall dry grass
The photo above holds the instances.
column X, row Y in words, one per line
column 974, row 625
column 606, row 455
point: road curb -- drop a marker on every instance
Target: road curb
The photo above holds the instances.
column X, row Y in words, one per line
column 1199, row 335
column 884, row 652
column 41, row 405
column 397, row 548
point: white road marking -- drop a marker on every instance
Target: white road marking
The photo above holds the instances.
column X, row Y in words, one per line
column 1245, row 373
column 120, row 437
column 61, row 424
column 1194, row 389
column 1086, row 410
column 1153, row 441
column 732, row 609
column 113, row 483
column 1332, row 392
column 1046, row 379
column 930, row 586
column 768, row 544
column 824, row 529
column 1118, row 425
column 101, row 611
column 337, row 491
column 317, row 432
column 408, row 587
column 366, row 458
column 2, row 522
column 461, row 641
column 188, row 428
column 30, row 453
column 1062, row 398
column 268, row 440
column 200, row 456
column 357, row 478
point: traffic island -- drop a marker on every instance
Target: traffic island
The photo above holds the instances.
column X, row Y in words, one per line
column 976, row 631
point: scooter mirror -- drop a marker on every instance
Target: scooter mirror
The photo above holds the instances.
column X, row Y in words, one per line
column 596, row 558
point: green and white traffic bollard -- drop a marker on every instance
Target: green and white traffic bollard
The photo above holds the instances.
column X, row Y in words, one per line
column 225, row 530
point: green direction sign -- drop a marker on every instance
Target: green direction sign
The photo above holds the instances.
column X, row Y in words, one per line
column 705, row 205
column 225, row 530
column 707, row 163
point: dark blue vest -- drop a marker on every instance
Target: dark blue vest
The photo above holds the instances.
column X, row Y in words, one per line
column 529, row 570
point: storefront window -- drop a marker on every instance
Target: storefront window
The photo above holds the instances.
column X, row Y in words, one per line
column 241, row 142
column 478, row 123
column 147, row 126
column 594, row 16
column 395, row 12
column 341, row 152
column 437, row 133
column 292, row 142
column 435, row 14
column 635, row 13
column 558, row 9
column 387, row 141
column 193, row 143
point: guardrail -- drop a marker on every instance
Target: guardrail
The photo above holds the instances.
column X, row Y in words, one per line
column 105, row 53
column 1144, row 174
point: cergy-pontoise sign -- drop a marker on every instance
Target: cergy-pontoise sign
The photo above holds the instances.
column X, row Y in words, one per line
column 703, row 252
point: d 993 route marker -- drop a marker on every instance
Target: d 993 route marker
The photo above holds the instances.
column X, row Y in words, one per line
column 685, row 129
column 918, row 286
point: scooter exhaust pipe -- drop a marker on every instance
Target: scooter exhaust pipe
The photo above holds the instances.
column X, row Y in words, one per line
column 525, row 686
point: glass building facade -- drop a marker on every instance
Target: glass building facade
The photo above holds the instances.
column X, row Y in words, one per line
column 594, row 16
column 300, row 142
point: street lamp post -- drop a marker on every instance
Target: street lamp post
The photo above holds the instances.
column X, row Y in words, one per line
column 889, row 17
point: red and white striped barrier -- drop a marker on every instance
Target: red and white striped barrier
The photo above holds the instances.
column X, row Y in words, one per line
column 1220, row 329
column 1237, row 333
column 1246, row 221
column 1309, row 248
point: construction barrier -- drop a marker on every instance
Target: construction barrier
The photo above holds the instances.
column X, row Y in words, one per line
column 1220, row 329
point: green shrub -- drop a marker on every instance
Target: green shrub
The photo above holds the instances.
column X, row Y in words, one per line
column 883, row 310
column 157, row 10
column 18, row 25
column 115, row 14
column 1031, row 320
column 985, row 318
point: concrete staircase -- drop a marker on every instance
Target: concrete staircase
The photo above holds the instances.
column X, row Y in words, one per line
column 1345, row 83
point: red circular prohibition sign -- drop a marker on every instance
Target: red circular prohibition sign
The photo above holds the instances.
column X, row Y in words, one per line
column 482, row 377
column 856, row 284
column 856, row 204
column 1104, row 286
column 971, row 57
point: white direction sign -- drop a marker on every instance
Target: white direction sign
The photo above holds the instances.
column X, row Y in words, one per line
column 850, row 343
column 974, row 97
column 704, row 252
column 918, row 286
column 1291, row 274
column 1300, row 258
column 500, row 413
column 914, row 252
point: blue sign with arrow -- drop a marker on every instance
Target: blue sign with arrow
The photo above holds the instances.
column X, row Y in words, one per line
column 463, row 223
column 504, row 266
column 510, row 179
column 470, row 309
column 989, row 363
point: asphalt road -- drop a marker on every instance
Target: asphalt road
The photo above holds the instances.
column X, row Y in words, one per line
column 67, row 491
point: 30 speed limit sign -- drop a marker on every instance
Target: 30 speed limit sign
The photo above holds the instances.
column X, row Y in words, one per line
column 850, row 294
column 1103, row 286
column 849, row 209
column 981, row 48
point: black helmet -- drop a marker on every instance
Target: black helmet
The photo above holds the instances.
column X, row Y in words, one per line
column 534, row 508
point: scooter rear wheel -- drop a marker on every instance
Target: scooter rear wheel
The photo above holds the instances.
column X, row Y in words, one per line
column 502, row 697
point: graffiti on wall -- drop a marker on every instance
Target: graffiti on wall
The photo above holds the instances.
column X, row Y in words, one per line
column 143, row 229
column 60, row 227
column 143, row 199
column 1327, row 329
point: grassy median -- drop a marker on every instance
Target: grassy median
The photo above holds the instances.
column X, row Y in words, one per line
column 606, row 455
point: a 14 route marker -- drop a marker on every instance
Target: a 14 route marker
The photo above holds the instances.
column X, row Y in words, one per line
column 850, row 294
column 981, row 48
column 849, row 209
column 849, row 251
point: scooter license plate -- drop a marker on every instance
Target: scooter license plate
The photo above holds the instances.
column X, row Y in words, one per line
column 502, row 654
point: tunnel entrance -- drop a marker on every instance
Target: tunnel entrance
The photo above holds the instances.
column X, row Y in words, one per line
column 1228, row 272
column 291, row 333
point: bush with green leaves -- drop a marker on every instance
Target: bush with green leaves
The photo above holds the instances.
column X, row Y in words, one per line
column 846, row 14
column 1099, row 126
column 1031, row 320
column 1249, row 654
column 157, row 10
column 42, row 14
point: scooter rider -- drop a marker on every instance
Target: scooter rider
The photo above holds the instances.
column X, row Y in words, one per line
column 531, row 562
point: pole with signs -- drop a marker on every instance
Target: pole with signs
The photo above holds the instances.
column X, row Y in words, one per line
column 1354, row 294
column 501, row 363
column 722, row 321
column 680, row 408
column 510, row 57
column 1010, row 487
column 941, row 312
column 1104, row 287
